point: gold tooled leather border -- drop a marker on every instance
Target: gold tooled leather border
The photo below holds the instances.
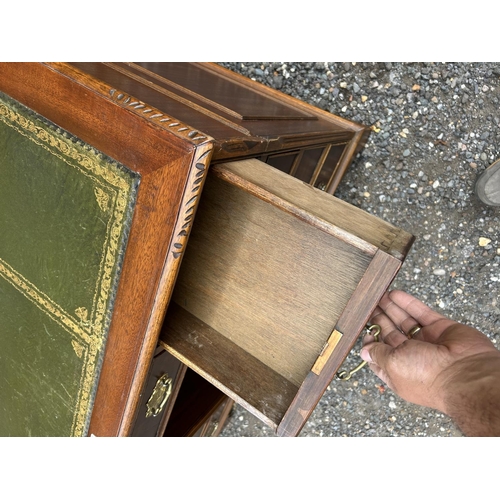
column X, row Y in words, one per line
column 113, row 195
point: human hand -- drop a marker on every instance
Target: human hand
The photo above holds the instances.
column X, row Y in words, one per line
column 436, row 362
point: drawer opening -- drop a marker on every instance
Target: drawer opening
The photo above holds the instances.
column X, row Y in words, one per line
column 196, row 401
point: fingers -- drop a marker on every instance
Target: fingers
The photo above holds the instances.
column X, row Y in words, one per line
column 390, row 333
column 377, row 354
column 399, row 316
column 423, row 314
column 404, row 312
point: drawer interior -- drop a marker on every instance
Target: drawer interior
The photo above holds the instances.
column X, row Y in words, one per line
column 270, row 267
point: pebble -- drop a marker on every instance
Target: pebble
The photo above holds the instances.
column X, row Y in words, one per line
column 439, row 272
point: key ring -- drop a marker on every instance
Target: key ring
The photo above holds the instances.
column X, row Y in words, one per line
column 346, row 375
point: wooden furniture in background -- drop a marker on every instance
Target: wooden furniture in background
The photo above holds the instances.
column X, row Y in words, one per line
column 244, row 118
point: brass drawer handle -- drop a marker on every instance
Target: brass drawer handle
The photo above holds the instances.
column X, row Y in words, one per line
column 346, row 375
column 159, row 396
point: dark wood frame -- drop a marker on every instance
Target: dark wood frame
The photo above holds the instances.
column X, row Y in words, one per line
column 172, row 162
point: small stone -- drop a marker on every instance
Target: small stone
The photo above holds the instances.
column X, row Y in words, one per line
column 406, row 152
column 392, row 405
column 439, row 272
column 435, row 184
column 364, row 98
column 484, row 241
column 415, row 87
column 343, row 85
column 366, row 194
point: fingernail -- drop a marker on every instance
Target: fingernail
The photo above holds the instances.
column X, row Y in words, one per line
column 365, row 355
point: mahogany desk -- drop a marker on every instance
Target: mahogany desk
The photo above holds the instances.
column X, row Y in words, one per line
column 153, row 131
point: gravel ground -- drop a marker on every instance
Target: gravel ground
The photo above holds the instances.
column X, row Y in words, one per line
column 436, row 128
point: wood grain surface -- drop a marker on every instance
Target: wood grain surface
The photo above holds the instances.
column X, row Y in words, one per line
column 374, row 283
column 271, row 283
column 233, row 370
column 327, row 213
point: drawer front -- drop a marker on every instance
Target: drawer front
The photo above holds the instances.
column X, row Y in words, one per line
column 158, row 397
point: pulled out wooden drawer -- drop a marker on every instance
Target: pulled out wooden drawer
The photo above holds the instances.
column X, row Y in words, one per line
column 277, row 282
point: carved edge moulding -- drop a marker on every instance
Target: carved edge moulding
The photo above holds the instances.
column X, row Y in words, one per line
column 171, row 159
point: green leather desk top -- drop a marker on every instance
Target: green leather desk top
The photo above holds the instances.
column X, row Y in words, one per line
column 65, row 212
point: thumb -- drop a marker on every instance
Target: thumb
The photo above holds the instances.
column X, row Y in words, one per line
column 376, row 352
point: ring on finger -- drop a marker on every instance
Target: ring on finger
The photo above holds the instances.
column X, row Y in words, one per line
column 413, row 331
